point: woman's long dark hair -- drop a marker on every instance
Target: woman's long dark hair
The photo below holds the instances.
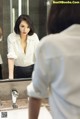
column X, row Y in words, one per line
column 62, row 16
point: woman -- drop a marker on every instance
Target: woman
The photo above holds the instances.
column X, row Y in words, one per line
column 21, row 48
column 57, row 68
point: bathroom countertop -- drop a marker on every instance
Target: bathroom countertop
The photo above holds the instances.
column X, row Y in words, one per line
column 21, row 103
column 7, row 105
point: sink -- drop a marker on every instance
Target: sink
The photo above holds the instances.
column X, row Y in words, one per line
column 23, row 114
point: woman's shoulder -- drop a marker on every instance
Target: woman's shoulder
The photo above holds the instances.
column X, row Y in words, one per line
column 13, row 36
column 35, row 34
column 34, row 37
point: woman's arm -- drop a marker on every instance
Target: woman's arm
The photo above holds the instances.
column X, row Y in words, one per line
column 11, row 68
column 34, row 108
column 11, row 40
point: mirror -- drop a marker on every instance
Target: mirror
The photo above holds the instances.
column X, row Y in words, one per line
column 19, row 85
column 10, row 10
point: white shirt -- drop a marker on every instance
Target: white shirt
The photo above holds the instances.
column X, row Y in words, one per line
column 57, row 73
column 15, row 49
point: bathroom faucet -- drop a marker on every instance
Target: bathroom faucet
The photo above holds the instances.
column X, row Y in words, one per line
column 15, row 95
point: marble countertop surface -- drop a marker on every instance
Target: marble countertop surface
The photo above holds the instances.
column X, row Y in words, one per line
column 21, row 103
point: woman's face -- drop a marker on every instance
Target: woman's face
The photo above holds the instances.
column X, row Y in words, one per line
column 24, row 28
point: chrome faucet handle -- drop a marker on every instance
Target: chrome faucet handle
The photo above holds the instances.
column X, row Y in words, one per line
column 15, row 95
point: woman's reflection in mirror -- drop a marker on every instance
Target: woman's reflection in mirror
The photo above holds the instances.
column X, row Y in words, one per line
column 1, row 36
column 22, row 44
